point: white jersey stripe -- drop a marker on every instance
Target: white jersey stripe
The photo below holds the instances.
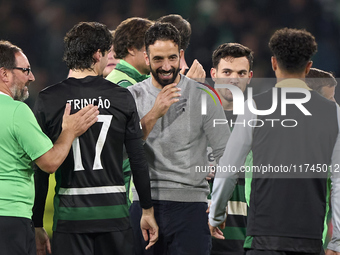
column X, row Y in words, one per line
column 237, row 208
column 92, row 190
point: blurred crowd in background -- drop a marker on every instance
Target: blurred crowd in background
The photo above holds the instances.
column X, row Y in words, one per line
column 38, row 27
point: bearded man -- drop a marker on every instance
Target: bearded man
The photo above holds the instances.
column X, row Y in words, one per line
column 177, row 128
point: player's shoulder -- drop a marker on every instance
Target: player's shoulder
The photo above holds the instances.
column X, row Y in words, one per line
column 18, row 104
column 140, row 87
column 51, row 88
column 19, row 107
column 186, row 83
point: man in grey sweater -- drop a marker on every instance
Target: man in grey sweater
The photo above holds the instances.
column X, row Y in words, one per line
column 179, row 118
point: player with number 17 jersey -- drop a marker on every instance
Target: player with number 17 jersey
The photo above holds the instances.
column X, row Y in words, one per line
column 90, row 195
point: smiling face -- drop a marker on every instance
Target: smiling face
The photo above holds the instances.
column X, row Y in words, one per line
column 21, row 79
column 164, row 59
column 234, row 71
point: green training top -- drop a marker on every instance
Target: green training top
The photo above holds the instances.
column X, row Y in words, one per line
column 126, row 75
column 21, row 142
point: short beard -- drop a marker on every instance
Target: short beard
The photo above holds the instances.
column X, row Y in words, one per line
column 19, row 95
column 163, row 83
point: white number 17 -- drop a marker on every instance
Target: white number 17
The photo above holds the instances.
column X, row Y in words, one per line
column 78, row 164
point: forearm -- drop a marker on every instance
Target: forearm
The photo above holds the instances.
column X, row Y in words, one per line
column 222, row 191
column 148, row 122
column 52, row 159
column 140, row 171
column 73, row 126
column 41, row 180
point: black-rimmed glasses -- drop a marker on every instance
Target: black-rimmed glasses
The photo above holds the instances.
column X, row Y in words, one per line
column 28, row 70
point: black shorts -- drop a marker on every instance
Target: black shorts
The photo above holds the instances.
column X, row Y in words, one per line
column 108, row 243
column 17, row 236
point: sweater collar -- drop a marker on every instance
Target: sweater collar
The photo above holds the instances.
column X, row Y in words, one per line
column 292, row 83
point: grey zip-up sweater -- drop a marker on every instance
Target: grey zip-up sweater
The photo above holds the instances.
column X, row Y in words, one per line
column 176, row 148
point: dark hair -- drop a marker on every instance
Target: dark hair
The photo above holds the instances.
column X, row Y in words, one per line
column 7, row 54
column 316, row 79
column 82, row 41
column 130, row 33
column 293, row 48
column 162, row 31
column 182, row 25
column 234, row 50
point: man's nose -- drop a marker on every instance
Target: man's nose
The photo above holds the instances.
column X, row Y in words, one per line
column 166, row 65
column 234, row 79
column 31, row 76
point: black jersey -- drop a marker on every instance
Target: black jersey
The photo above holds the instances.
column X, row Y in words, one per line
column 285, row 206
column 90, row 192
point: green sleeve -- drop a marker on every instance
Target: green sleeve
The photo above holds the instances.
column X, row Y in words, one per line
column 29, row 134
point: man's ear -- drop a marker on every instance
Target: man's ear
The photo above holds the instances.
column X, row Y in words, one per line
column 181, row 53
column 146, row 57
column 308, row 67
column 250, row 76
column 274, row 63
column 132, row 51
column 97, row 56
column 213, row 72
column 4, row 74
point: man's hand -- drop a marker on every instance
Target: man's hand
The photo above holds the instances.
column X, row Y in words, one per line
column 42, row 241
column 73, row 126
column 211, row 174
column 79, row 122
column 165, row 99
column 330, row 252
column 148, row 224
column 196, row 72
column 216, row 232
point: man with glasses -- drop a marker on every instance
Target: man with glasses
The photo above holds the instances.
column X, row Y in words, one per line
column 21, row 142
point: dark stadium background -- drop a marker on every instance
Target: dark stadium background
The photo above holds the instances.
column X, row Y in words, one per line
column 38, row 27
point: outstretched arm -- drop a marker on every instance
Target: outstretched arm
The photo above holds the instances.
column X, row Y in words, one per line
column 73, row 126
column 141, row 179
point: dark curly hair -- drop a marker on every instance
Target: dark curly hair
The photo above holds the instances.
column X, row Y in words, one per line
column 293, row 48
column 130, row 34
column 7, row 54
column 162, row 31
column 82, row 41
column 234, row 50
column 183, row 26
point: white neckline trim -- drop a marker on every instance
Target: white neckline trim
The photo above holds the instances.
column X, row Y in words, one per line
column 4, row 94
